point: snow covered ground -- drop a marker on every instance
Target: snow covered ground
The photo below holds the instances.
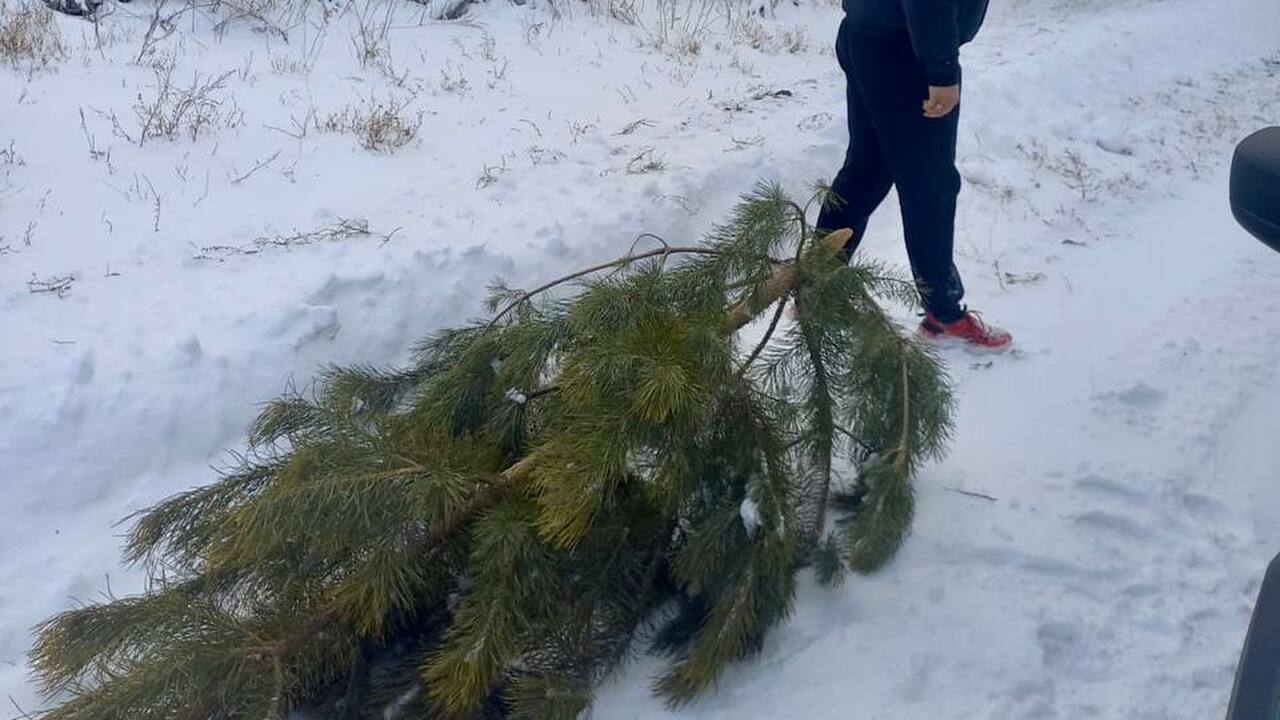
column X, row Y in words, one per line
column 1127, row 450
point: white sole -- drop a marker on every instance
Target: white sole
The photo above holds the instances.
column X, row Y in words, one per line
column 949, row 343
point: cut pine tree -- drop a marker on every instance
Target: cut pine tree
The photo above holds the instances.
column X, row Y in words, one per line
column 602, row 462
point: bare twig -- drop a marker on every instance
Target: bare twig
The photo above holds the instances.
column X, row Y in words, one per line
column 10, row 156
column 344, row 229
column 256, row 168
column 116, row 128
column 56, row 285
column 490, row 174
column 94, row 152
column 155, row 204
column 533, row 125
column 970, row 493
column 646, row 161
column 97, row 33
column 299, row 128
column 160, row 23
column 204, row 194
column 633, row 126
column 764, row 341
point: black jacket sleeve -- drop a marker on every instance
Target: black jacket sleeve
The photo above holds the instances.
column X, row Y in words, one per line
column 934, row 26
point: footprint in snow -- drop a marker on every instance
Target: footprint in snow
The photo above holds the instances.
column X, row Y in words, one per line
column 1114, row 524
column 1141, row 396
column 1110, row 491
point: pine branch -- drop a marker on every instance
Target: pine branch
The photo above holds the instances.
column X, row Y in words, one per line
column 804, row 229
column 517, row 474
column 782, row 283
column 824, row 426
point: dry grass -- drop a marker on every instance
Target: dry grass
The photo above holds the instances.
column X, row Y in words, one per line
column 29, row 36
column 676, row 27
column 379, row 126
column 646, row 161
column 9, row 155
column 794, row 40
column 752, row 33
column 344, row 229
column 452, row 80
column 193, row 110
column 285, row 65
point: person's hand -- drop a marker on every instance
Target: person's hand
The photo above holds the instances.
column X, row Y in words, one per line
column 942, row 100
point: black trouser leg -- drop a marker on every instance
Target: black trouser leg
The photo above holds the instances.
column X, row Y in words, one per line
column 887, row 89
column 864, row 179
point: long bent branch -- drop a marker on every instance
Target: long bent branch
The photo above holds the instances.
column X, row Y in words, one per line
column 624, row 260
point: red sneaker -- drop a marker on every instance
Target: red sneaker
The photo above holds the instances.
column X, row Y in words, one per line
column 969, row 332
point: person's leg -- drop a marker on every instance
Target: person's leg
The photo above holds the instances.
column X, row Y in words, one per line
column 927, row 195
column 863, row 180
column 920, row 153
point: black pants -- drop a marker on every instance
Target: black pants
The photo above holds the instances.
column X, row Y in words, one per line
column 891, row 143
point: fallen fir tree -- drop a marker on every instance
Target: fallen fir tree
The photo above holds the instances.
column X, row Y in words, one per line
column 491, row 531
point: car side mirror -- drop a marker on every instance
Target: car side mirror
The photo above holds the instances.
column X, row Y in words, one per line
column 1255, row 185
column 1257, row 692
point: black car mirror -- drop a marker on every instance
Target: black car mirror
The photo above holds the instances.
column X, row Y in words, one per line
column 1255, row 185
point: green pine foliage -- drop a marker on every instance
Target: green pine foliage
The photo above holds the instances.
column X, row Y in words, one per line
column 492, row 530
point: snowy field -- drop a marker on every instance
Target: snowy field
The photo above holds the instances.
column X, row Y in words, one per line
column 200, row 206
